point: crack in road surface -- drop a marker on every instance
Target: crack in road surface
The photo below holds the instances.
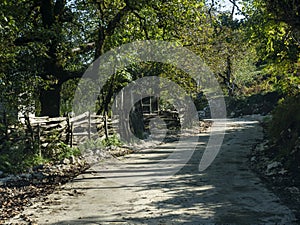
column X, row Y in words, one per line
column 228, row 192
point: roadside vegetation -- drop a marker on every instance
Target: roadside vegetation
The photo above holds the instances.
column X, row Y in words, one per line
column 252, row 47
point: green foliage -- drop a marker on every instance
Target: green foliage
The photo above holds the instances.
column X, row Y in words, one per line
column 33, row 160
column 222, row 41
column 67, row 95
column 5, row 164
column 277, row 41
column 97, row 144
column 18, row 151
column 284, row 127
column 91, row 145
column 144, row 20
column 274, row 26
column 56, row 149
column 17, row 158
column 112, row 141
column 66, row 151
column 284, row 133
column 46, row 48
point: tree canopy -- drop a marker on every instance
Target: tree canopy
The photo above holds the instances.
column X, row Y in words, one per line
column 46, row 45
column 251, row 47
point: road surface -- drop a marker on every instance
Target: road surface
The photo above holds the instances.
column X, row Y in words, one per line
column 228, row 192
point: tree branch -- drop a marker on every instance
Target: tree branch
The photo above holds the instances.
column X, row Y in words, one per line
column 59, row 7
column 84, row 48
column 21, row 41
column 47, row 13
column 238, row 8
column 104, row 32
column 142, row 23
column 69, row 75
column 233, row 7
column 210, row 9
column 116, row 20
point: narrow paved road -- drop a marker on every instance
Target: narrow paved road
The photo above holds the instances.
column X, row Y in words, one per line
column 226, row 193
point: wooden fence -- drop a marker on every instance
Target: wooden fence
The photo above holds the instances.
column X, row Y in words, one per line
column 70, row 130
column 88, row 126
column 45, row 131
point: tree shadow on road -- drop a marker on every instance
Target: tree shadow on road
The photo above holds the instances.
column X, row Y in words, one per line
column 226, row 193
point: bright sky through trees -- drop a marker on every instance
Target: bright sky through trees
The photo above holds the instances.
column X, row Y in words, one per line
column 226, row 5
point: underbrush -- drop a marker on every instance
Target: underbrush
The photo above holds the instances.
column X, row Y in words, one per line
column 112, row 141
column 283, row 131
column 19, row 151
column 262, row 103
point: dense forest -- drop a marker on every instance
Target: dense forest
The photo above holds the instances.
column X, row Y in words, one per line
column 252, row 47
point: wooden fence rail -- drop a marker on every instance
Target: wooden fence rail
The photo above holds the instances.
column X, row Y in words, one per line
column 75, row 130
column 70, row 130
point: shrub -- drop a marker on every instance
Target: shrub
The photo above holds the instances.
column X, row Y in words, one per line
column 18, row 152
column 91, row 145
column 66, row 152
column 112, row 141
column 284, row 131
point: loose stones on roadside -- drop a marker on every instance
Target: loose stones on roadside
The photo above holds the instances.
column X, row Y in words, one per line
column 66, row 161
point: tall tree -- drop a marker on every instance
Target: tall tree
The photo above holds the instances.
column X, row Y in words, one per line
column 122, row 22
column 274, row 25
column 220, row 38
column 62, row 37
column 45, row 30
column 17, row 78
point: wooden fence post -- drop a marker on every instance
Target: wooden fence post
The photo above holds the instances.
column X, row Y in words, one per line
column 69, row 130
column 89, row 125
column 106, row 125
column 71, row 135
column 39, row 139
column 78, row 126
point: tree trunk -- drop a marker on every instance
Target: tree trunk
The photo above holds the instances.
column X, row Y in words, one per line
column 52, row 12
column 137, row 125
column 50, row 101
column 228, row 75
